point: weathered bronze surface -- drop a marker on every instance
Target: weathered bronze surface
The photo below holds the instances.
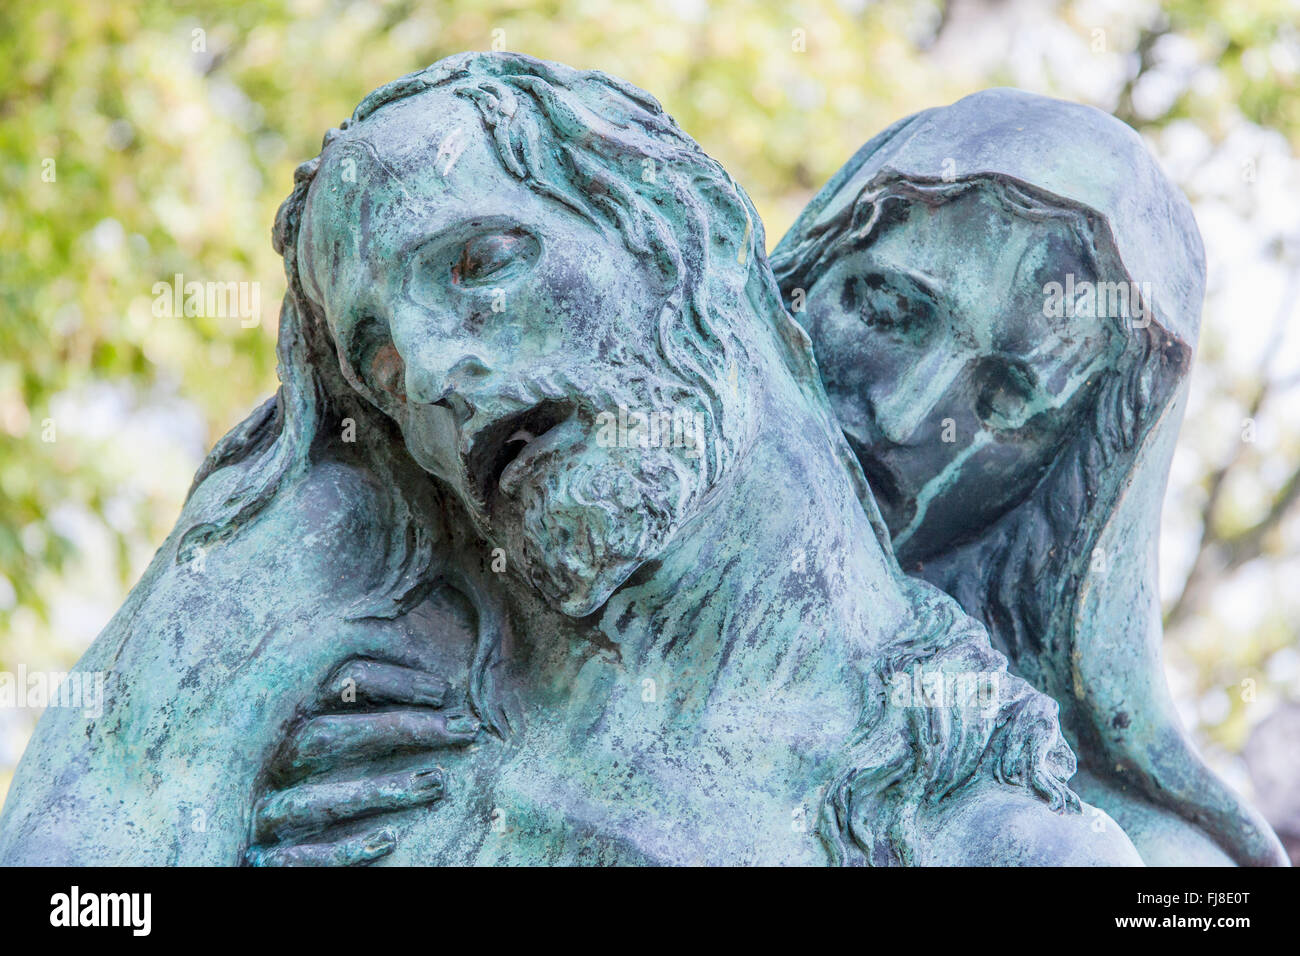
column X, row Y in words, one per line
column 554, row 548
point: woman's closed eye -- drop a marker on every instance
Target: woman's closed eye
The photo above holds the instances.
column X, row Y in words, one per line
column 894, row 304
column 471, row 258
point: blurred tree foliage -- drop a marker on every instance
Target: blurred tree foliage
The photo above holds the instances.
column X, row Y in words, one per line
column 138, row 141
column 142, row 140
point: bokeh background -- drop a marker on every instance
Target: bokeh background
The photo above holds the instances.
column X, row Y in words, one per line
column 141, row 140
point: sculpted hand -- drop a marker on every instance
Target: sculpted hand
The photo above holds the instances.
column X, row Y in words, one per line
column 313, row 810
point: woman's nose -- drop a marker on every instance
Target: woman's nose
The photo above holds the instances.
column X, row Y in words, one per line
column 913, row 399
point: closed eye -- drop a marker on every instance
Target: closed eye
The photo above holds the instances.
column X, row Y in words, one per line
column 895, row 303
column 494, row 256
column 470, row 257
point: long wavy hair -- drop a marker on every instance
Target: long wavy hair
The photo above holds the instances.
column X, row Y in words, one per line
column 608, row 152
column 597, row 146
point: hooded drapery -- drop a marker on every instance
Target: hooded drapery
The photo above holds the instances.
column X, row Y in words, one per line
column 1086, row 630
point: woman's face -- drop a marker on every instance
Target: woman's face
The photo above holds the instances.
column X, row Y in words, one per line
column 953, row 386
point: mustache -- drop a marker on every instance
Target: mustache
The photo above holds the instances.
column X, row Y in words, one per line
column 580, row 515
column 583, row 516
column 556, row 398
column 598, row 515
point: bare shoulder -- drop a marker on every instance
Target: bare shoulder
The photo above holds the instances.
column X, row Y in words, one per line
column 330, row 524
column 994, row 824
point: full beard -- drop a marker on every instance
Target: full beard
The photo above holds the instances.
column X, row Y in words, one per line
column 581, row 517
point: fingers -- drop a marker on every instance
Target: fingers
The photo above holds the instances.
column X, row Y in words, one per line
column 373, row 682
column 329, row 740
column 352, row 851
column 326, row 741
column 317, row 805
column 335, row 738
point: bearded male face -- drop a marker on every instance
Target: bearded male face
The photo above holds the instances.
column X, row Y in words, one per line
column 499, row 328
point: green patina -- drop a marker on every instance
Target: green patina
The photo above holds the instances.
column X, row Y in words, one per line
column 416, row 610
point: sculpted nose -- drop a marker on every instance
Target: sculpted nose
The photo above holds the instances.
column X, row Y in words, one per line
column 439, row 404
column 445, row 380
column 914, row 398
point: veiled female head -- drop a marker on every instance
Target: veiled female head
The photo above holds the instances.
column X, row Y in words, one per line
column 975, row 309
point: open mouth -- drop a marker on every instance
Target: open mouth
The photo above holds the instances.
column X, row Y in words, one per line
column 500, row 443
